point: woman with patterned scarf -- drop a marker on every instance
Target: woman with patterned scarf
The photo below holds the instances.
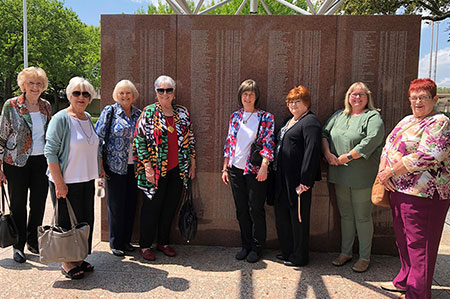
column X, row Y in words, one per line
column 164, row 147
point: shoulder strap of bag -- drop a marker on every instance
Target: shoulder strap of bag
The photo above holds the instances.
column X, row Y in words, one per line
column 4, row 198
column 73, row 218
column 257, row 130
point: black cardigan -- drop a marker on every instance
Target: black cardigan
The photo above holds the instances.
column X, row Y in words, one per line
column 298, row 160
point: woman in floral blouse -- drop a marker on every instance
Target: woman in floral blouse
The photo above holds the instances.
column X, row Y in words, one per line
column 248, row 181
column 415, row 167
column 115, row 128
column 165, row 151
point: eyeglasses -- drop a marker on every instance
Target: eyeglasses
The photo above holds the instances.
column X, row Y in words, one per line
column 125, row 93
column 77, row 93
column 166, row 90
column 293, row 102
column 421, row 98
column 37, row 84
column 358, row 95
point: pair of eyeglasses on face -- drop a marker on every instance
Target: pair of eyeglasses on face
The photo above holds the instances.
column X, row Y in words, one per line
column 77, row 93
column 357, row 95
column 164, row 90
column 37, row 84
column 123, row 93
column 421, row 98
column 293, row 102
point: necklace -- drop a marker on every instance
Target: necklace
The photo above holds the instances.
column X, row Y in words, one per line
column 170, row 124
column 245, row 120
column 88, row 138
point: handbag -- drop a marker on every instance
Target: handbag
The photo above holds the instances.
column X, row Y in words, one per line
column 9, row 234
column 255, row 157
column 57, row 244
column 105, row 140
column 380, row 196
column 187, row 220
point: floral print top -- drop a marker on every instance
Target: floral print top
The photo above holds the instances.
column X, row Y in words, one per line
column 151, row 145
column 16, row 130
column 265, row 138
column 424, row 147
column 120, row 135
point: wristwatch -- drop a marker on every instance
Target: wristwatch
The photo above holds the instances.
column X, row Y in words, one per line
column 349, row 157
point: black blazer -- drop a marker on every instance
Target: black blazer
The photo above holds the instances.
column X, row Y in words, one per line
column 298, row 160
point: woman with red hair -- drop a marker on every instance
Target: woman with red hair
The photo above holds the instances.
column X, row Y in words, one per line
column 297, row 166
column 415, row 167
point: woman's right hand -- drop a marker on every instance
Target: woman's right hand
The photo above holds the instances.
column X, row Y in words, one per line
column 2, row 177
column 61, row 190
column 149, row 173
column 225, row 178
column 332, row 159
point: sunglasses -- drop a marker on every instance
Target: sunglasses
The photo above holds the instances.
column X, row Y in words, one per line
column 85, row 94
column 166, row 90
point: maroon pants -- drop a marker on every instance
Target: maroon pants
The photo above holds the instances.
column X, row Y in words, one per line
column 418, row 224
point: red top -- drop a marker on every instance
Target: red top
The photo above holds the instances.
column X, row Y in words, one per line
column 172, row 155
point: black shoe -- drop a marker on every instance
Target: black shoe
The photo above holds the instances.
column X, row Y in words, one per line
column 128, row 247
column 242, row 254
column 281, row 257
column 33, row 249
column 253, row 257
column 117, row 252
column 19, row 256
column 290, row 264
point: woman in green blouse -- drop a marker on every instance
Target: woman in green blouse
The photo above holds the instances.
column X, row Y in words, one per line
column 352, row 142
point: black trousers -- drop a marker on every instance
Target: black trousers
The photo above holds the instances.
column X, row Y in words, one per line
column 249, row 197
column 293, row 235
column 31, row 177
column 81, row 197
column 157, row 214
column 122, row 197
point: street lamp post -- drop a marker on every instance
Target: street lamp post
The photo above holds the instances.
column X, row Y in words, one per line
column 25, row 35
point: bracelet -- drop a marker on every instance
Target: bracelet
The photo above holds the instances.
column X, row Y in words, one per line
column 265, row 160
column 224, row 170
column 392, row 170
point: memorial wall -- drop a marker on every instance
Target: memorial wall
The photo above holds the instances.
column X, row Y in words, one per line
column 209, row 56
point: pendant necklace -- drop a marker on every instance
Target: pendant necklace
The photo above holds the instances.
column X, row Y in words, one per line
column 245, row 120
column 88, row 138
column 170, row 127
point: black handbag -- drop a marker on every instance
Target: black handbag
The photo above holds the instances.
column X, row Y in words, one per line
column 9, row 234
column 187, row 220
column 107, row 134
column 255, row 157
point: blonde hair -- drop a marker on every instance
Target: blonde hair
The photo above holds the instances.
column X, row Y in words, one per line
column 122, row 84
column 29, row 73
column 83, row 83
column 356, row 85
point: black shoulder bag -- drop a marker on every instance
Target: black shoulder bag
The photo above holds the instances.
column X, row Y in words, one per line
column 187, row 220
column 105, row 140
column 9, row 235
column 255, row 157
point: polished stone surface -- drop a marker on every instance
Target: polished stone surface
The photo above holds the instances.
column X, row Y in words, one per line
column 209, row 56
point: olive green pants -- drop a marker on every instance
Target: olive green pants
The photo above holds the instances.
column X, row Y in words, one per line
column 355, row 208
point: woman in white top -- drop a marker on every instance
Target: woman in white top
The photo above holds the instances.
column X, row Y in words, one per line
column 23, row 124
column 249, row 181
column 73, row 160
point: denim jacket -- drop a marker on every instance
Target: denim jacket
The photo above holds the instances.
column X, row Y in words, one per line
column 16, row 130
column 120, row 135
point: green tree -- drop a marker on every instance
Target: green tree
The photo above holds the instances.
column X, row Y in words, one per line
column 230, row 8
column 57, row 41
column 437, row 10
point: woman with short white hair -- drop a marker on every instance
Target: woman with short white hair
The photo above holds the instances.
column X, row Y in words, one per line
column 23, row 124
column 115, row 128
column 73, row 160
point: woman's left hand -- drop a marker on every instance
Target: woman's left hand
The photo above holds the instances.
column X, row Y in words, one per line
column 102, row 174
column 301, row 188
column 262, row 173
column 192, row 169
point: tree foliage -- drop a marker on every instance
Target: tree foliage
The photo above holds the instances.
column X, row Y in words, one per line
column 435, row 10
column 230, row 8
column 57, row 41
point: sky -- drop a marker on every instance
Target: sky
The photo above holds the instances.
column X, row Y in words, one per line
column 89, row 12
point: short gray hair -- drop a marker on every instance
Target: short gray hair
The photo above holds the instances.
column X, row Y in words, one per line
column 125, row 83
column 30, row 72
column 165, row 79
column 79, row 81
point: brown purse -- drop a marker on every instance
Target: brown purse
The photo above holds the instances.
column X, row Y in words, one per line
column 380, row 196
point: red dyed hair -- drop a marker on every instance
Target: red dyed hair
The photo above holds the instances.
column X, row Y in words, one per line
column 423, row 84
column 299, row 93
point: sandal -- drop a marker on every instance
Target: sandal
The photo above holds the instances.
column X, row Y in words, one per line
column 86, row 267
column 74, row 273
